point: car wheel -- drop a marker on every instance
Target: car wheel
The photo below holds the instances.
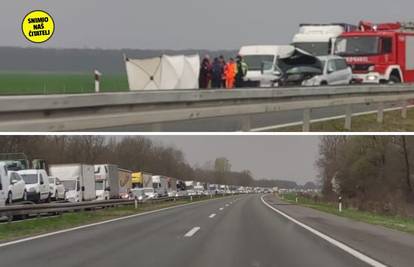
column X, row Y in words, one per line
column 10, row 198
column 324, row 83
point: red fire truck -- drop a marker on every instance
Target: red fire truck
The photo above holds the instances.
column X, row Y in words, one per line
column 379, row 53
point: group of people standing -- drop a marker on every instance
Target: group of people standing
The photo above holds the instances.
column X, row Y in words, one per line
column 222, row 74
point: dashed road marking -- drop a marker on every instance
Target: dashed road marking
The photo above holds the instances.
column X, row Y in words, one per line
column 212, row 216
column 192, row 232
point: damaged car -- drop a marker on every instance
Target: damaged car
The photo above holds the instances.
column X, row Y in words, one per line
column 301, row 68
column 298, row 67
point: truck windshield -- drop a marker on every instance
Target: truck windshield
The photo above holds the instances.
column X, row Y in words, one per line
column 254, row 62
column 357, row 46
column 316, row 49
column 30, row 178
column 69, row 185
column 99, row 185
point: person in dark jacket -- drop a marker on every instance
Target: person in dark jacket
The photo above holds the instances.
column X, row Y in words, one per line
column 217, row 71
column 223, row 77
column 205, row 73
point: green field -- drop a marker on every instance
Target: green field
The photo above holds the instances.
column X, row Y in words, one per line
column 393, row 222
column 393, row 122
column 18, row 83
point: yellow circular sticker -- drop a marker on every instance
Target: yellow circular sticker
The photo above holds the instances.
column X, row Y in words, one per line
column 38, row 26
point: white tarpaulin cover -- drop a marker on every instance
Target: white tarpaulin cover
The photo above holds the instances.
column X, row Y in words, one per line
column 163, row 73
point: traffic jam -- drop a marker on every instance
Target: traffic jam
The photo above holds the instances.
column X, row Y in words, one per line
column 30, row 182
column 319, row 55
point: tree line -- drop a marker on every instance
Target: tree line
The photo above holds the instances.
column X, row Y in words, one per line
column 134, row 153
column 373, row 173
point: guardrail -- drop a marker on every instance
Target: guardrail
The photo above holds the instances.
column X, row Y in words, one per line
column 94, row 111
column 57, row 208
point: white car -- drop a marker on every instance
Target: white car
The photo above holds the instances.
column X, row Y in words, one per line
column 150, row 193
column 139, row 194
column 17, row 188
column 57, row 189
column 37, row 184
column 335, row 72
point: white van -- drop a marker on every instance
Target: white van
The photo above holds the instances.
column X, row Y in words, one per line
column 4, row 184
column 37, row 184
column 261, row 62
column 17, row 187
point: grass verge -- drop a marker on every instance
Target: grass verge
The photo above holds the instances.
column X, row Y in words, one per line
column 393, row 222
column 393, row 122
column 21, row 229
column 26, row 83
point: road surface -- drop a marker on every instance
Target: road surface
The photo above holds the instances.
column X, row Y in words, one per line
column 234, row 231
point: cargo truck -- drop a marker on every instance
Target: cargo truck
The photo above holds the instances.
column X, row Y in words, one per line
column 379, row 53
column 78, row 179
column 141, row 179
column 160, row 185
column 123, row 186
column 318, row 39
column 106, row 181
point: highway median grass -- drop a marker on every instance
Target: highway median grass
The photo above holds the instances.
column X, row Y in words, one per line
column 393, row 122
column 28, row 83
column 393, row 222
column 25, row 228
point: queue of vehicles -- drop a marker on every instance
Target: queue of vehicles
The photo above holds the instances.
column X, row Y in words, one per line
column 335, row 54
column 21, row 180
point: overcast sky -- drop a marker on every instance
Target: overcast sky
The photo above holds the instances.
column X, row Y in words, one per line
column 271, row 157
column 180, row 24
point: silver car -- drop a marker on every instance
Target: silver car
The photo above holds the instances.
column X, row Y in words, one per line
column 335, row 72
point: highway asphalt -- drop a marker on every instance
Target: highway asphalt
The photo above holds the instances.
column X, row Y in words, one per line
column 234, row 123
column 236, row 231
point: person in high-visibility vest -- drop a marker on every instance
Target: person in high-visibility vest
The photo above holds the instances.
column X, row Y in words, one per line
column 242, row 69
column 230, row 71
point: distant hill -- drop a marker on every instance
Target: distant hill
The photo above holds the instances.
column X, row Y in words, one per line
column 16, row 59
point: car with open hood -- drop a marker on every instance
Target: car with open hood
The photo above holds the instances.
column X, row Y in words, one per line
column 297, row 67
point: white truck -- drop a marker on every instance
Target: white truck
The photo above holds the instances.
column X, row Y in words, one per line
column 37, row 184
column 4, row 184
column 160, row 185
column 78, row 179
column 318, row 39
column 261, row 61
column 106, row 181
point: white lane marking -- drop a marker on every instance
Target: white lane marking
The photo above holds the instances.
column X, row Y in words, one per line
column 99, row 223
column 227, row 205
column 298, row 123
column 332, row 241
column 212, row 216
column 231, row 203
column 192, row 232
column 221, row 209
